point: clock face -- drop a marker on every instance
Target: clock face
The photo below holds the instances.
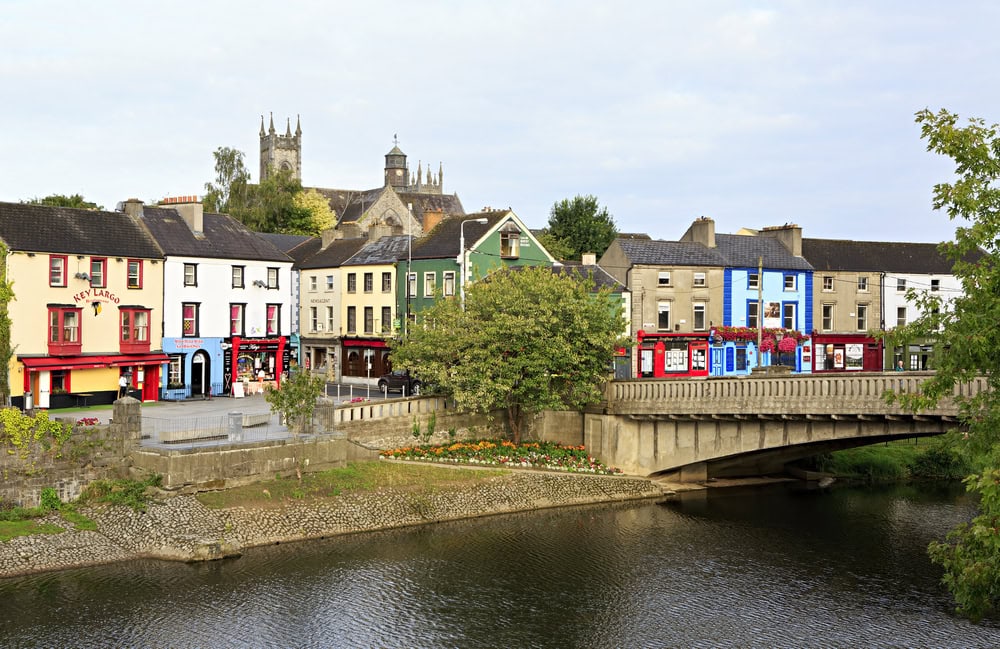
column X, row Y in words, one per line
column 399, row 172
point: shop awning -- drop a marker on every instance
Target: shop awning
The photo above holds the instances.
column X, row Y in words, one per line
column 357, row 342
column 38, row 363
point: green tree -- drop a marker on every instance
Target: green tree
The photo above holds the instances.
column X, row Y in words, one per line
column 296, row 399
column 232, row 181
column 582, row 225
column 321, row 217
column 529, row 340
column 59, row 200
column 966, row 341
column 556, row 247
column 6, row 349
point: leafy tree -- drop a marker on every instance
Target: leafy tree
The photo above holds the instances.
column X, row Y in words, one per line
column 529, row 340
column 59, row 200
column 583, row 225
column 320, row 215
column 967, row 339
column 558, row 248
column 6, row 350
column 232, row 180
column 296, row 399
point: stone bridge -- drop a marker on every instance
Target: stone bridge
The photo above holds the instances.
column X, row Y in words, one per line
column 693, row 430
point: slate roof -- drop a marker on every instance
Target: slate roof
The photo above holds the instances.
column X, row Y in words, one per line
column 387, row 250
column 444, row 240
column 42, row 228
column 878, row 256
column 600, row 276
column 731, row 251
column 224, row 237
column 284, row 242
column 332, row 256
column 447, row 203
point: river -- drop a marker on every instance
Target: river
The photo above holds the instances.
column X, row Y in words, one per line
column 777, row 566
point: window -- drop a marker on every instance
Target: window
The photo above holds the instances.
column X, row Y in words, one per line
column 663, row 316
column 510, row 242
column 699, row 279
column 430, row 279
column 827, row 282
column 369, row 320
column 448, row 279
column 387, row 282
column 313, row 318
column 329, row 282
column 134, row 329
column 753, row 311
column 273, row 319
column 59, row 381
column 900, row 285
column 64, row 330
column 190, row 274
column 134, row 273
column 699, row 316
column 238, row 273
column 663, row 278
column 862, row 314
column 352, row 282
column 827, row 317
column 313, row 283
column 98, row 272
column 272, row 277
column 329, row 318
column 352, row 319
column 789, row 282
column 57, row 270
column 175, row 373
column 369, row 282
column 237, row 313
column 753, row 281
column 900, row 316
column 189, row 319
column 862, row 283
column 386, row 319
column 411, row 285
column 788, row 315
column 935, row 284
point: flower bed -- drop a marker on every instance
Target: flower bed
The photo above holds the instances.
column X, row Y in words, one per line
column 530, row 455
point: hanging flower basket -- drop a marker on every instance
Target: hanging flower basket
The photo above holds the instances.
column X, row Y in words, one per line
column 787, row 344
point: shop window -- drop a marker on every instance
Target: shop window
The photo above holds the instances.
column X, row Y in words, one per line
column 369, row 320
column 699, row 280
column 448, row 279
column 788, row 316
column 789, row 282
column 134, row 273
column 190, row 274
column 59, row 381
column 862, row 284
column 272, row 277
column 699, row 316
column 134, row 330
column 239, row 272
column 65, row 335
column 189, row 319
column 753, row 313
column 237, row 313
column 827, row 283
column 386, row 320
column 175, row 372
column 57, row 270
column 369, row 282
column 663, row 278
column 741, row 358
column 663, row 316
column 352, row 282
column 352, row 319
column 387, row 282
column 827, row 317
column 273, row 319
column 430, row 279
column 98, row 272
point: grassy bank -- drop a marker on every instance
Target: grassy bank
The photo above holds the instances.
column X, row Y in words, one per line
column 913, row 459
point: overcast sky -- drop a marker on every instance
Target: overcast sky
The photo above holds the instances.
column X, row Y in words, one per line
column 752, row 113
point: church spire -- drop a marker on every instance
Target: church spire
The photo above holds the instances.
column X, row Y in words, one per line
column 262, row 126
column 298, row 126
column 288, row 127
column 271, row 130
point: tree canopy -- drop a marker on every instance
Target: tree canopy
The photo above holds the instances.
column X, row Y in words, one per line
column 529, row 340
column 582, row 225
column 966, row 341
column 231, row 182
column 60, row 200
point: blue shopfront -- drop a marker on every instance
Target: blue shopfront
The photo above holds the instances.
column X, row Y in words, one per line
column 195, row 368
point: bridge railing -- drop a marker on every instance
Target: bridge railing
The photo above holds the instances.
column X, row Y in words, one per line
column 821, row 394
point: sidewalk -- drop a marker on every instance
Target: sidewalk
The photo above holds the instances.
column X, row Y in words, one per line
column 216, row 407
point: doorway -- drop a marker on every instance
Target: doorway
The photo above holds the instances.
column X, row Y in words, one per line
column 200, row 374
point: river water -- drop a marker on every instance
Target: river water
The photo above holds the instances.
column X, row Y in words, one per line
column 772, row 566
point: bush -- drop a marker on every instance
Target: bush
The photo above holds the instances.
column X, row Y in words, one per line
column 50, row 499
column 131, row 493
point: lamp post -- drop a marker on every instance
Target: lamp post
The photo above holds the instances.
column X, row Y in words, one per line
column 461, row 256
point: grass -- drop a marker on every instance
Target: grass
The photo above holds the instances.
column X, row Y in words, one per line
column 12, row 529
column 355, row 477
column 895, row 461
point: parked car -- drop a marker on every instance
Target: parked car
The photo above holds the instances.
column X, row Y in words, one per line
column 399, row 381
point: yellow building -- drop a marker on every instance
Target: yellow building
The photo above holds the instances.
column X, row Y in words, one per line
column 87, row 311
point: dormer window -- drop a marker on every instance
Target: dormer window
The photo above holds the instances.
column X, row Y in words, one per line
column 510, row 241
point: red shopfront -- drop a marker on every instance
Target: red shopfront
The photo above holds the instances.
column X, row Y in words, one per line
column 664, row 355
column 74, row 381
column 846, row 353
column 364, row 358
column 258, row 360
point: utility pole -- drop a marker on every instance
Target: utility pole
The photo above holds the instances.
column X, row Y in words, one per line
column 760, row 308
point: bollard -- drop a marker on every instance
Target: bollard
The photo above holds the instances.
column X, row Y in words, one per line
column 235, row 426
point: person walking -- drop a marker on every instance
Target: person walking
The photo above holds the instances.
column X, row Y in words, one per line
column 122, row 386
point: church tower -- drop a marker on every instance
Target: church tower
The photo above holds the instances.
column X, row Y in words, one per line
column 396, row 173
column 281, row 152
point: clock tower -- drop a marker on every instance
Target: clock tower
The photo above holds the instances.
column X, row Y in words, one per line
column 396, row 173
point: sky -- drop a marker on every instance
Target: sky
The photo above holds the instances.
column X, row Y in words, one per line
column 751, row 113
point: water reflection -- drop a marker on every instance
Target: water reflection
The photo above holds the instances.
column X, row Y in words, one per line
column 763, row 567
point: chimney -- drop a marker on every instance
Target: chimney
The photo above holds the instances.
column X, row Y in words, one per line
column 132, row 207
column 190, row 209
column 328, row 236
column 701, row 231
column 432, row 218
column 589, row 259
column 789, row 234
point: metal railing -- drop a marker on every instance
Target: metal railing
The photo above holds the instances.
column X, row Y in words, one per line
column 235, row 427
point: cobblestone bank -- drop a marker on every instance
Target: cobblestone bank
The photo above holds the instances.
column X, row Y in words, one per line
column 181, row 528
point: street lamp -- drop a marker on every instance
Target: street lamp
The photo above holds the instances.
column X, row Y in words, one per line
column 461, row 256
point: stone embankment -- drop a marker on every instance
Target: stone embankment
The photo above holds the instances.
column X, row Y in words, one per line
column 180, row 528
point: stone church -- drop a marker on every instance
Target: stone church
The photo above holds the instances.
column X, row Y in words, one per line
column 406, row 203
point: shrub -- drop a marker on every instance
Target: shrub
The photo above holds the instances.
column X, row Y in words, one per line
column 49, row 499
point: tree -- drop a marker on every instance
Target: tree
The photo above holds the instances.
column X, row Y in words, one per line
column 558, row 248
column 232, row 181
column 296, row 399
column 583, row 226
column 321, row 217
column 529, row 340
column 59, row 200
column 966, row 341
